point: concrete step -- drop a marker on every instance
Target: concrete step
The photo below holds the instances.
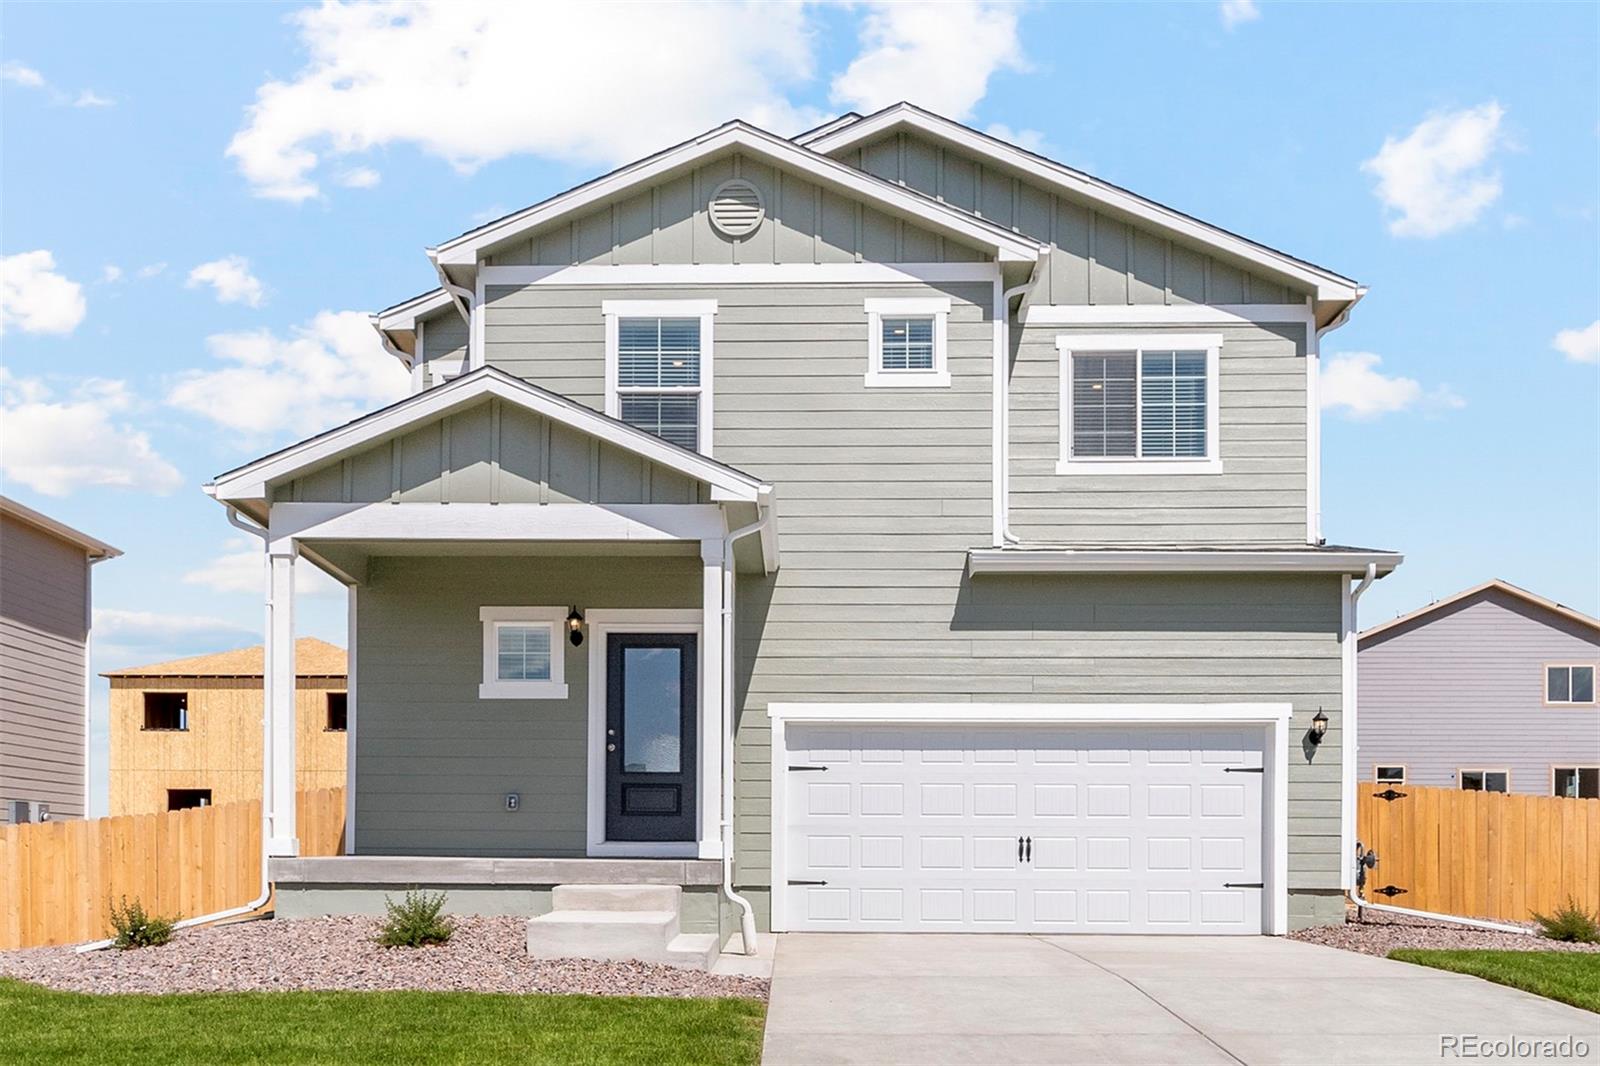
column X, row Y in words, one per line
column 606, row 935
column 615, row 897
column 694, row 951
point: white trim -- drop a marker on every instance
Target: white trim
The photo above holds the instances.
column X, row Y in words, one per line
column 1328, row 285
column 466, row 249
column 936, row 307
column 250, row 482
column 493, row 687
column 1067, row 345
column 1165, row 314
column 705, row 310
column 494, row 521
column 404, row 316
column 1349, row 741
column 1173, row 561
column 737, row 274
column 351, row 700
column 1275, row 790
column 999, row 360
column 708, row 786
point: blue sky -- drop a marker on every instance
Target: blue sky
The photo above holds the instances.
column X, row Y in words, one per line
column 173, row 308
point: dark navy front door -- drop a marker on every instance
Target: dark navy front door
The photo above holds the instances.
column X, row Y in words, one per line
column 651, row 688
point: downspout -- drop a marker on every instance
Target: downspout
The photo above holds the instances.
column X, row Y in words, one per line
column 266, row 772
column 747, row 916
column 1002, row 377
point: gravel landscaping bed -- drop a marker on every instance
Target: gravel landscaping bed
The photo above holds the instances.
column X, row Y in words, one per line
column 485, row 955
column 1379, row 934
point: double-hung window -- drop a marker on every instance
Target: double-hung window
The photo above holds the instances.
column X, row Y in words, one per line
column 1569, row 684
column 522, row 653
column 658, row 368
column 907, row 342
column 1140, row 404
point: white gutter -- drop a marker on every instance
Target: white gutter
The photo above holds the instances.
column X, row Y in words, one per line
column 1002, row 377
column 747, row 917
column 1175, row 560
column 266, row 770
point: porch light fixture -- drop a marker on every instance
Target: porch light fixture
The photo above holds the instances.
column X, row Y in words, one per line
column 1319, row 727
column 575, row 627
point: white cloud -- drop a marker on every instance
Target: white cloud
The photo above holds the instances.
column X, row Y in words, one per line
column 1579, row 345
column 360, row 178
column 1437, row 178
column 326, row 373
column 1032, row 140
column 1352, row 384
column 150, row 270
column 238, row 568
column 18, row 74
column 34, row 298
column 1234, row 12
column 56, row 446
column 138, row 638
column 455, row 80
column 110, row 274
column 90, row 98
column 937, row 55
column 231, row 278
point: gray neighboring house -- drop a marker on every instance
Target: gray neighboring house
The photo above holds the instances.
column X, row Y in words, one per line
column 1492, row 688
column 885, row 528
column 45, row 615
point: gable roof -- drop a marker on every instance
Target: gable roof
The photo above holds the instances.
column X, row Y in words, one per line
column 249, row 482
column 1496, row 585
column 1008, row 246
column 834, row 137
column 97, row 549
column 312, row 658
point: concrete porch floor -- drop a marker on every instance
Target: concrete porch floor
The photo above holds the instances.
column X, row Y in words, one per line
column 848, row 998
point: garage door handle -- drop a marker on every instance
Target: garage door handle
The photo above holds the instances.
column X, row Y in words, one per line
column 1030, row 849
column 1238, row 769
column 808, row 882
column 1226, row 884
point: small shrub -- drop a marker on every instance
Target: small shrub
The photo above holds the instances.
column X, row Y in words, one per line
column 135, row 928
column 415, row 921
column 1571, row 923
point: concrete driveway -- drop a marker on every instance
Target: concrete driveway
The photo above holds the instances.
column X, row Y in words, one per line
column 846, row 998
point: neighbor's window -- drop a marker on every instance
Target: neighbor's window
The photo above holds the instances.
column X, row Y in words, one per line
column 1389, row 775
column 1576, row 782
column 338, row 712
column 522, row 653
column 166, row 710
column 1139, row 405
column 907, row 342
column 1569, row 684
column 182, row 799
column 658, row 368
column 1484, row 780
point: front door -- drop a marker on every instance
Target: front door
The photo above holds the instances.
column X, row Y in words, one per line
column 651, row 688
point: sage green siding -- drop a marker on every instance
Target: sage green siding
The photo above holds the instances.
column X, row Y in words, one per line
column 667, row 223
column 1259, row 498
column 1095, row 258
column 444, row 336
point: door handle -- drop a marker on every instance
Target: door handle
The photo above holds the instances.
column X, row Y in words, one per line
column 611, row 747
column 1019, row 849
column 1030, row 849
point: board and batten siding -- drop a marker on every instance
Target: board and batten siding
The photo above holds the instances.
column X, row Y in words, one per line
column 1463, row 688
column 1095, row 259
column 1259, row 499
column 43, row 657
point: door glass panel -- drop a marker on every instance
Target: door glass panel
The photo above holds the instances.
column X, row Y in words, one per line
column 652, row 710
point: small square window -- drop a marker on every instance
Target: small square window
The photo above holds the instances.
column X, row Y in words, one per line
column 1576, row 782
column 338, row 712
column 1389, row 775
column 166, row 711
column 1569, row 684
column 183, row 799
column 522, row 653
column 907, row 340
column 1484, row 780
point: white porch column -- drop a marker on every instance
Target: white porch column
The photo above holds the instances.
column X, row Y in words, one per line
column 710, row 724
column 279, row 696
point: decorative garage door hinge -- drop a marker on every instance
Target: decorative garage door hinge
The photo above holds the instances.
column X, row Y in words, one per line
column 1244, row 884
column 793, row 882
column 1244, row 769
column 818, row 769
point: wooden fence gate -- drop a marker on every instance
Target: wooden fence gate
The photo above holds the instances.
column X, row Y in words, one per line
column 1479, row 854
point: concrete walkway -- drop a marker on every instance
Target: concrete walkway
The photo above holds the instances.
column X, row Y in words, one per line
column 846, row 998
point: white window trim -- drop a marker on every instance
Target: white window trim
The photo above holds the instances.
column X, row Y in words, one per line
column 1485, row 770
column 1577, row 768
column 936, row 378
column 1544, row 680
column 704, row 310
column 1210, row 343
column 492, row 688
column 1388, row 766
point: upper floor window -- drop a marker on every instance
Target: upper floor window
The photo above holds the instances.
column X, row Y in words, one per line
column 1569, row 684
column 338, row 712
column 907, row 342
column 166, row 710
column 658, row 368
column 1140, row 404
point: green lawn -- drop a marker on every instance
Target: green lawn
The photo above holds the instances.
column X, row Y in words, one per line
column 41, row 1026
column 1569, row 976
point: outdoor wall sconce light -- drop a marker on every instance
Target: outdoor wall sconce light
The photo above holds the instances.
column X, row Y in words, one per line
column 575, row 627
column 1319, row 727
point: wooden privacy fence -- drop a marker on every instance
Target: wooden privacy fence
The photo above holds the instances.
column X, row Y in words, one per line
column 57, row 878
column 1479, row 854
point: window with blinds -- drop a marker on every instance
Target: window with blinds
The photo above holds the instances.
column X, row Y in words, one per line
column 658, row 377
column 1139, row 403
column 907, row 344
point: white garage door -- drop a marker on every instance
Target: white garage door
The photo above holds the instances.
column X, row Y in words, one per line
column 1024, row 829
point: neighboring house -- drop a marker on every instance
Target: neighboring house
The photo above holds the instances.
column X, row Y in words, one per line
column 45, row 615
column 1492, row 688
column 188, row 733
column 939, row 523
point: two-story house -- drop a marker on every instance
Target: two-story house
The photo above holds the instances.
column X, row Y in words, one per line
column 886, row 528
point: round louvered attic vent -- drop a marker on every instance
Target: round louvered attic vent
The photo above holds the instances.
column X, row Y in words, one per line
column 737, row 208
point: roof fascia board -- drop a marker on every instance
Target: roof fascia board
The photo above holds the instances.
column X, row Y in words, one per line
column 96, row 548
column 832, row 126
column 403, row 316
column 1008, row 246
column 1496, row 585
column 250, row 482
column 1327, row 285
column 1134, row 561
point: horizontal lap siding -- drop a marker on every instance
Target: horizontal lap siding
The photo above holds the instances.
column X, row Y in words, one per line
column 1259, row 499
